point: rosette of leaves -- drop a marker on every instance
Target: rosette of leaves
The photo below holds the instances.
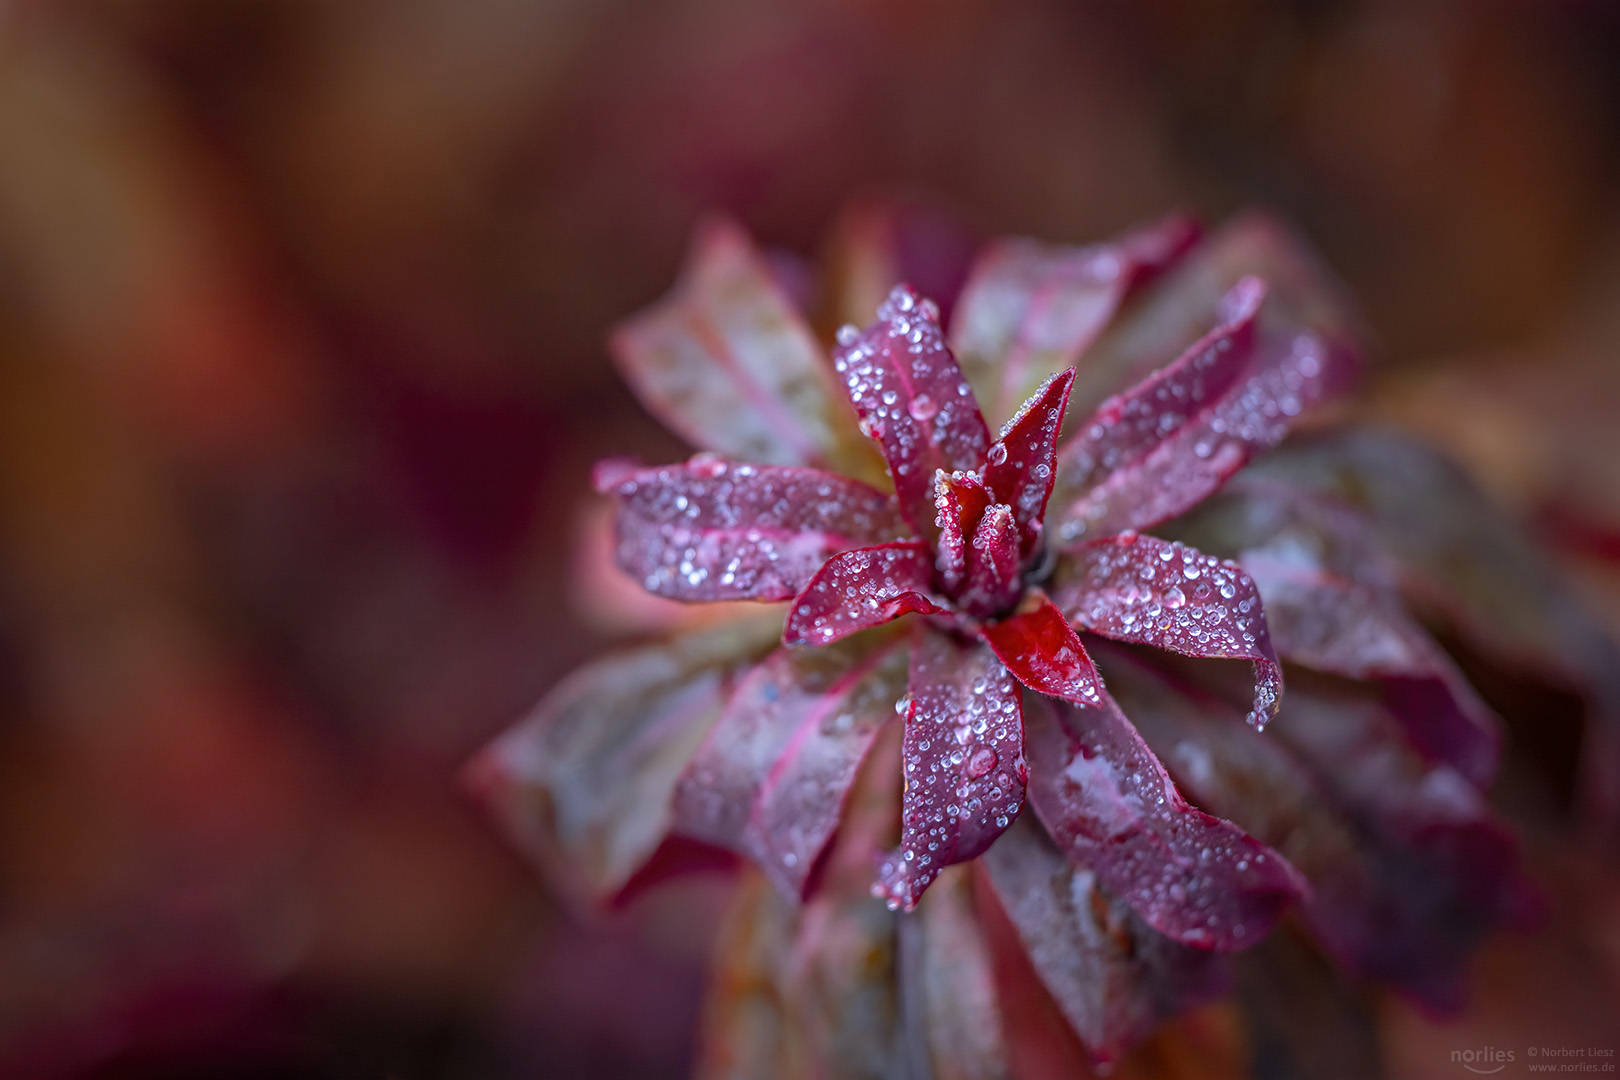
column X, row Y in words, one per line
column 984, row 740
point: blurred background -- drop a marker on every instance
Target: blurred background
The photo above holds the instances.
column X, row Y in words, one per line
column 302, row 306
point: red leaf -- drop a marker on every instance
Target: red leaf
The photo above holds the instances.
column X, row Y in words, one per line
column 1114, row 977
column 1170, row 596
column 1029, row 310
column 993, row 579
column 771, row 776
column 1044, row 653
column 1021, row 466
column 718, row 530
column 1108, row 802
column 912, row 400
column 583, row 784
column 728, row 363
column 960, row 501
column 862, row 588
column 964, row 763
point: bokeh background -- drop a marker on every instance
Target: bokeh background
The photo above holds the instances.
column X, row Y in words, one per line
column 302, row 306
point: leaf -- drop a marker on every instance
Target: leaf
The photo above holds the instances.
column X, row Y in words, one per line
column 1466, row 561
column 877, row 244
column 912, row 400
column 1114, row 977
column 1021, row 466
column 1448, row 871
column 1044, row 653
column 859, row 589
column 964, row 766
column 1330, row 605
column 583, row 784
column 993, row 578
column 960, row 501
column 1115, row 472
column 1168, row 595
column 1173, row 311
column 718, row 530
column 771, row 777
column 1107, row 801
column 949, row 981
column 1029, row 310
column 728, row 364
column 744, row 1032
column 1385, row 900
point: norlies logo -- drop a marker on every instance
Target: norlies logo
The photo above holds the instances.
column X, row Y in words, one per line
column 1486, row 1060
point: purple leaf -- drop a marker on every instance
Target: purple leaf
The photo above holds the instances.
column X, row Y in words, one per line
column 584, row 783
column 1114, row 977
column 912, row 400
column 859, row 589
column 728, row 363
column 718, row 530
column 1044, row 653
column 1021, row 466
column 771, row 777
column 1108, row 802
column 993, row 579
column 1331, row 605
column 1029, row 310
column 960, row 500
column 1174, row 310
column 1171, row 596
column 1384, row 907
column 964, row 763
column 1447, row 871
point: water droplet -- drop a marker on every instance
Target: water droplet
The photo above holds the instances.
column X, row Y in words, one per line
column 922, row 408
column 997, row 454
column 847, row 335
column 1174, row 597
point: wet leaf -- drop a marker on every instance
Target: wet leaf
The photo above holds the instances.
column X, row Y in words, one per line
column 712, row 529
column 964, row 765
column 993, row 578
column 1114, row 977
column 771, row 778
column 1108, row 802
column 584, row 783
column 1044, row 653
column 860, row 589
column 728, row 363
column 912, row 400
column 1029, row 310
column 1021, row 466
column 1168, row 595
column 1331, row 605
column 960, row 501
column 1371, row 826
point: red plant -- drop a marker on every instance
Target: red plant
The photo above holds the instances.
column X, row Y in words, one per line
column 1018, row 560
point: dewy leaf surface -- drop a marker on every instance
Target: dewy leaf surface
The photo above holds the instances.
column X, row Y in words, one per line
column 1114, row 977
column 1021, row 466
column 1381, row 901
column 860, row 589
column 960, row 500
column 727, row 363
column 912, row 400
column 1107, row 801
column 771, row 777
column 1168, row 595
column 584, row 783
column 1331, row 605
column 964, row 765
column 1029, row 310
column 1132, row 431
column 712, row 529
column 993, row 577
column 1044, row 653
column 1175, row 309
